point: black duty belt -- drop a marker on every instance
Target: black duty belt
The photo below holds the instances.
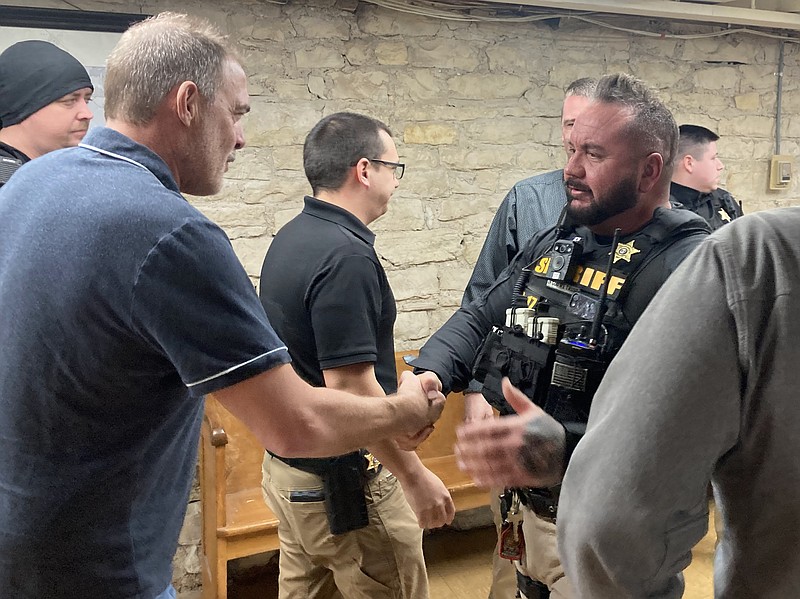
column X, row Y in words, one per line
column 542, row 502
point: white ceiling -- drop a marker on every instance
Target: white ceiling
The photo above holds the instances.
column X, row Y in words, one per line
column 780, row 14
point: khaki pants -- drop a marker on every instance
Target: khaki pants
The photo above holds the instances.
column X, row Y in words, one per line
column 381, row 561
column 541, row 561
column 504, row 574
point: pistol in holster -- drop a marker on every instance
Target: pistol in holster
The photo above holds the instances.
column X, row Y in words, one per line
column 343, row 490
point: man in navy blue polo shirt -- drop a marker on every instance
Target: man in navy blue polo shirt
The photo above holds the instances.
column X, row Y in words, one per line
column 346, row 528
column 120, row 306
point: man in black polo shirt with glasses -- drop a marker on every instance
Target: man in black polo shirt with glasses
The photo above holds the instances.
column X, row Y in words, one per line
column 344, row 522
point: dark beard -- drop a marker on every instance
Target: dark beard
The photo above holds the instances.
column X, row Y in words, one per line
column 619, row 198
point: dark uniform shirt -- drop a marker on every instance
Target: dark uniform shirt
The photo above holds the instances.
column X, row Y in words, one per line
column 10, row 160
column 328, row 296
column 718, row 207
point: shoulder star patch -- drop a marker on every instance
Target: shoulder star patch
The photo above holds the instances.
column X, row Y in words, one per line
column 625, row 251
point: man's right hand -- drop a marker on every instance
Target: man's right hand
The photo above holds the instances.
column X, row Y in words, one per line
column 426, row 391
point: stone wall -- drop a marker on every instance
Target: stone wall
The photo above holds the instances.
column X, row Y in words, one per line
column 474, row 107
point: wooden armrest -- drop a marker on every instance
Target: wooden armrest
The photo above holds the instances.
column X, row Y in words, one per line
column 214, row 420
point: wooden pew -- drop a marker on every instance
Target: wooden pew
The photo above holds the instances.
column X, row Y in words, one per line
column 236, row 521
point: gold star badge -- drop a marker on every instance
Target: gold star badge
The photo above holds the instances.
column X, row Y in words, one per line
column 625, row 251
column 724, row 215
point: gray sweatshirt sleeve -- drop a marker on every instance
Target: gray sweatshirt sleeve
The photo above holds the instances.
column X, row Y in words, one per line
column 634, row 497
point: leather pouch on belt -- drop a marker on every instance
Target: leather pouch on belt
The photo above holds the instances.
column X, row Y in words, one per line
column 343, row 487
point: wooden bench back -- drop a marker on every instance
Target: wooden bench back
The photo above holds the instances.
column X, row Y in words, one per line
column 243, row 452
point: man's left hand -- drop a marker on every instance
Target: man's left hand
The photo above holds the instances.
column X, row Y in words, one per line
column 523, row 450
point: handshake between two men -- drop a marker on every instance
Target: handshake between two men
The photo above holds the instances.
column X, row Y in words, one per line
column 526, row 449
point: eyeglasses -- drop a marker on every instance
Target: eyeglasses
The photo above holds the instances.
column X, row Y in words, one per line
column 399, row 167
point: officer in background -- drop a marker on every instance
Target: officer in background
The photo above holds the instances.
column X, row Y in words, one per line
column 531, row 205
column 695, row 181
column 44, row 95
column 347, row 528
column 575, row 291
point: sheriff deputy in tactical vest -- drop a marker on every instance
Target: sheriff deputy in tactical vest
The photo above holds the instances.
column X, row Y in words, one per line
column 695, row 178
column 557, row 316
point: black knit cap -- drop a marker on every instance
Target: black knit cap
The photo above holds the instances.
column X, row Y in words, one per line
column 33, row 74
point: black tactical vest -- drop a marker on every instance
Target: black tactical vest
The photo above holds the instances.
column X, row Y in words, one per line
column 546, row 348
column 718, row 207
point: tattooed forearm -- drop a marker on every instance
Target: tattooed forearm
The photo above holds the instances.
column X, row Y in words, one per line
column 542, row 453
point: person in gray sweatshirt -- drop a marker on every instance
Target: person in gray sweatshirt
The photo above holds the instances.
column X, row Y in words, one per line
column 705, row 388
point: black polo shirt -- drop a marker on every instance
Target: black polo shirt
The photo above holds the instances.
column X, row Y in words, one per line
column 327, row 295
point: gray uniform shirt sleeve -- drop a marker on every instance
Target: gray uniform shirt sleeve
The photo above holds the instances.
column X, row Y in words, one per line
column 531, row 205
column 633, row 502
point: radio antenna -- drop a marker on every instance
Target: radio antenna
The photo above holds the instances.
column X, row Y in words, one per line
column 602, row 306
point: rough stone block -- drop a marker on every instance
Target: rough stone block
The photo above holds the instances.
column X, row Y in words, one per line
column 419, row 247
column 434, row 134
column 319, row 57
column 191, row 531
column 443, row 53
column 411, row 326
column 541, row 158
column 758, row 77
column 716, row 78
column 732, row 49
column 375, row 21
column 291, row 88
column 747, row 126
column 322, row 27
column 251, row 252
column 457, row 207
column 391, row 53
column 280, row 123
column 482, row 157
column 469, row 182
column 359, row 53
column 660, row 75
column 359, row 86
column 514, row 56
column 454, row 279
column 419, row 85
column 509, row 130
column 414, row 283
column 404, row 214
column 488, row 86
column 316, row 86
column 751, row 101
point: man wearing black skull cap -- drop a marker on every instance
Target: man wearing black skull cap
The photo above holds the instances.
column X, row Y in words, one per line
column 44, row 95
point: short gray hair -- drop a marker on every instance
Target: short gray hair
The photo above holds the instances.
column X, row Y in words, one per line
column 154, row 56
column 583, row 87
column 652, row 124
